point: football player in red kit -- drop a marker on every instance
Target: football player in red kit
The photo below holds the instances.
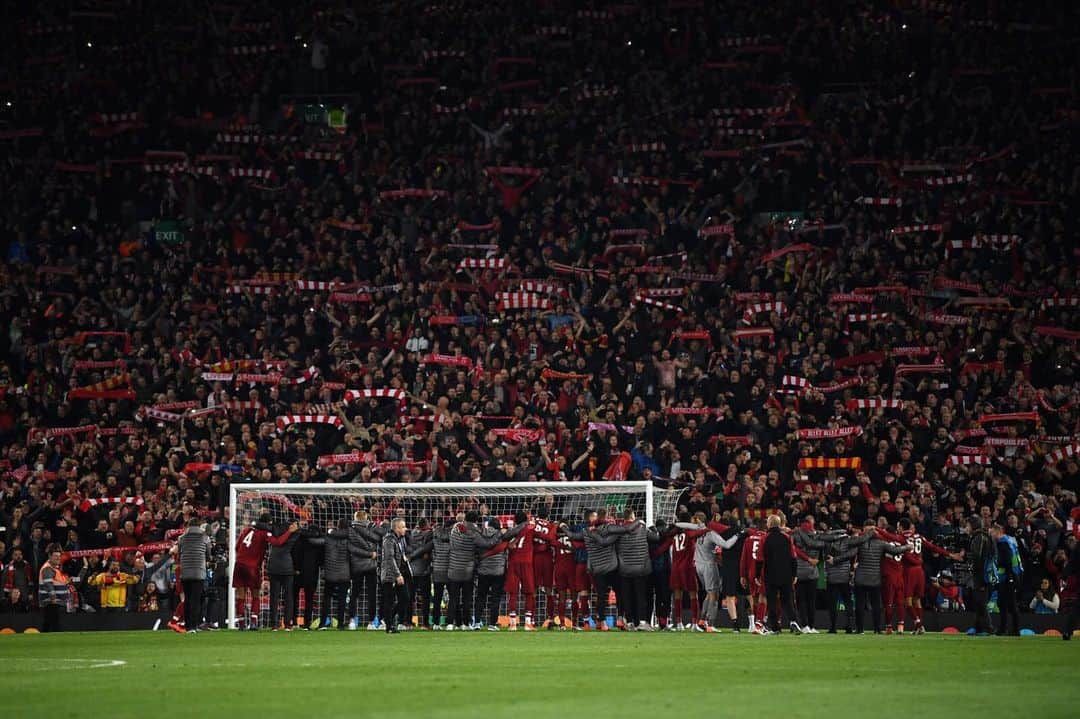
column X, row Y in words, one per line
column 564, row 578
column 520, row 574
column 892, row 589
column 750, row 566
column 545, row 533
column 247, row 573
column 914, row 574
column 684, row 578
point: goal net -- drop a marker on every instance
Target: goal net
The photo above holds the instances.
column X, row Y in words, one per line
column 321, row 506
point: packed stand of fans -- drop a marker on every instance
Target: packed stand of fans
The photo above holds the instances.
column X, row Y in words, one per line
column 825, row 247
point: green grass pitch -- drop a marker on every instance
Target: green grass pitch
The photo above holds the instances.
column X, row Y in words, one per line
column 551, row 675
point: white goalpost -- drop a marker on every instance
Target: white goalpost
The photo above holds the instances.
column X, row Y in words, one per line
column 322, row 505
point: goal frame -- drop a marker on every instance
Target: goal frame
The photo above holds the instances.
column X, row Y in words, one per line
column 236, row 489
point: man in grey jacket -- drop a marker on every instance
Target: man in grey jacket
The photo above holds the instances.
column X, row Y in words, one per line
column 395, row 576
column 194, row 548
column 868, row 576
column 811, row 542
column 490, row 574
column 840, row 551
column 364, row 539
column 440, row 565
column 420, row 548
column 635, row 566
column 600, row 542
column 465, row 541
column 335, row 546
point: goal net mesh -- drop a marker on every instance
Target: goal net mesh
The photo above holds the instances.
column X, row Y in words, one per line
column 319, row 507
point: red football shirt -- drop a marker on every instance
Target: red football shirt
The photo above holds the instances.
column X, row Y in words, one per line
column 564, row 554
column 914, row 557
column 521, row 547
column 251, row 545
column 753, row 554
column 544, row 534
column 682, row 548
column 892, row 566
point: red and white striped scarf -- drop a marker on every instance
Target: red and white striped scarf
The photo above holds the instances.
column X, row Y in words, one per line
column 914, row 229
column 778, row 307
column 644, row 299
column 961, row 460
column 87, row 504
column 476, row 263
column 869, row 317
column 145, row 413
column 874, row 403
column 542, row 287
column 291, row 419
column 521, row 301
column 880, row 201
column 978, row 242
column 351, row 395
column 948, row 180
column 1053, row 302
column 1058, row 455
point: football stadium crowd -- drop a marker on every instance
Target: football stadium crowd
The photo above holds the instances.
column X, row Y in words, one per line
column 807, row 260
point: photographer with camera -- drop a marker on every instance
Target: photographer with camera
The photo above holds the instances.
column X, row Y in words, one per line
column 982, row 555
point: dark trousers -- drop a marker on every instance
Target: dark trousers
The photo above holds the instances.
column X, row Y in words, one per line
column 1007, row 607
column 489, row 591
column 459, row 609
column 365, row 582
column 309, row 600
column 635, row 607
column 193, row 591
column 868, row 597
column 1073, row 620
column 281, row 592
column 422, row 593
column 336, row 592
column 840, row 593
column 806, row 595
column 659, row 595
column 976, row 602
column 779, row 597
column 395, row 599
column 436, row 603
column 51, row 622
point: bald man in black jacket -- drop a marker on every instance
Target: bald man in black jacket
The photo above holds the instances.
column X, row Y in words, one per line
column 780, row 572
